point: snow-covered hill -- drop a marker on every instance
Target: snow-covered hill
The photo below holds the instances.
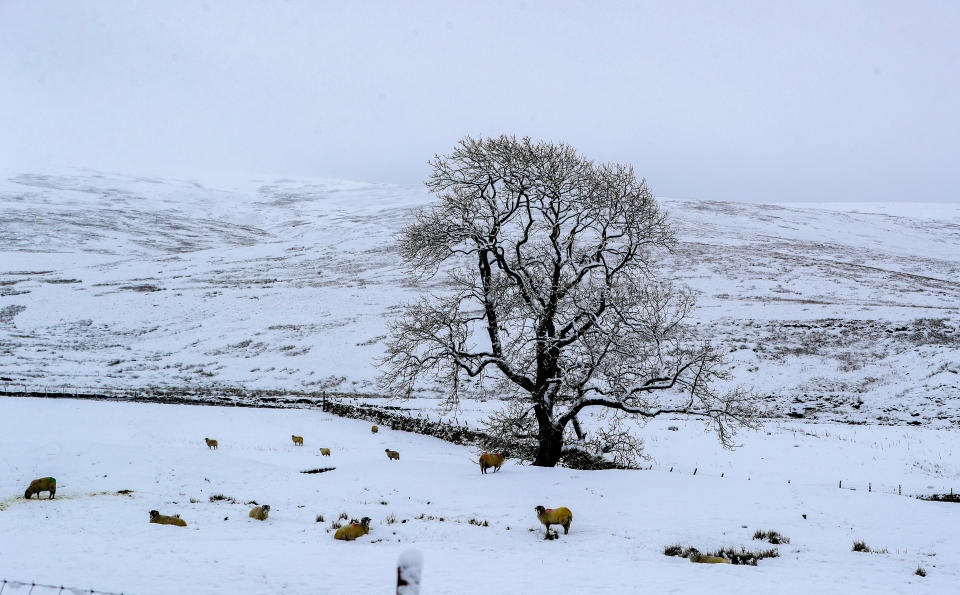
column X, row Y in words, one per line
column 846, row 312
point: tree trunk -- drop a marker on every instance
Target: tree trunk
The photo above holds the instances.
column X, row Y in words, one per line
column 551, row 443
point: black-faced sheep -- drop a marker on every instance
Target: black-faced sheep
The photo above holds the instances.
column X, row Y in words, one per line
column 44, row 484
column 555, row 516
column 162, row 519
column 353, row 530
column 260, row 512
column 211, row 443
column 325, row 452
column 488, row 460
column 297, row 440
column 392, row 454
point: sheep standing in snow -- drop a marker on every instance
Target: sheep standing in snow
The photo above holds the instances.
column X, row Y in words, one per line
column 297, row 440
column 488, row 460
column 44, row 484
column 325, row 452
column 211, row 443
column 392, row 454
column 555, row 516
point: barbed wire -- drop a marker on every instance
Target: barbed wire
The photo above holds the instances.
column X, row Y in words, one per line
column 4, row 583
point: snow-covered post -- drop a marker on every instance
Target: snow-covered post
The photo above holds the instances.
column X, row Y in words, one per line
column 409, row 570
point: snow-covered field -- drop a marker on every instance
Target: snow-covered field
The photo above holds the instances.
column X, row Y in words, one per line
column 91, row 537
column 836, row 312
column 845, row 312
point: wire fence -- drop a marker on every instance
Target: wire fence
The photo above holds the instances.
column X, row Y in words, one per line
column 8, row 587
column 912, row 490
column 409, row 571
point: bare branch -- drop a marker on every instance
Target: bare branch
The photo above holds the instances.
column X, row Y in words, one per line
column 554, row 290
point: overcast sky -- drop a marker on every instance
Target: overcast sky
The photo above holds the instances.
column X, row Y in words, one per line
column 754, row 101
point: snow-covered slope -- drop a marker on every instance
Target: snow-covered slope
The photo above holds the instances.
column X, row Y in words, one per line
column 850, row 312
column 478, row 533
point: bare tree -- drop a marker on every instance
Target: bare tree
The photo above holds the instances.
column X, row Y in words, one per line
column 554, row 292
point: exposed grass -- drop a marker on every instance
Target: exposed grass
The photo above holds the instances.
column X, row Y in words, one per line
column 319, row 518
column 744, row 556
column 678, row 550
column 222, row 498
column 319, row 470
column 740, row 556
column 774, row 537
column 920, row 571
column 861, row 546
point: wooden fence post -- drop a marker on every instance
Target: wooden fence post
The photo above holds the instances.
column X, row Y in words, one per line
column 409, row 572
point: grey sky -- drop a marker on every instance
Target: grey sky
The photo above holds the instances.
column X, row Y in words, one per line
column 756, row 101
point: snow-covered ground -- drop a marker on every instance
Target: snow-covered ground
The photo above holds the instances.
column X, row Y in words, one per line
column 842, row 312
column 91, row 537
column 845, row 312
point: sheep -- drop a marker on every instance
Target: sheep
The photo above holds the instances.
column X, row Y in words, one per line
column 162, row 519
column 704, row 559
column 44, row 484
column 325, row 452
column 488, row 460
column 260, row 512
column 392, row 454
column 353, row 530
column 555, row 516
column 297, row 440
column 374, row 430
column 211, row 443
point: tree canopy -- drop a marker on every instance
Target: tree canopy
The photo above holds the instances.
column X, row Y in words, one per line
column 554, row 293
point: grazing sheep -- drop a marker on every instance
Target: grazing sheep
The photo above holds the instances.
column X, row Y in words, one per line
column 297, row 440
column 374, row 430
column 702, row 559
column 392, row 454
column 211, row 443
column 488, row 460
column 260, row 512
column 353, row 530
column 325, row 452
column 44, row 484
column 555, row 516
column 162, row 519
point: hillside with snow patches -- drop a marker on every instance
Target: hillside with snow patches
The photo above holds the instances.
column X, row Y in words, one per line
column 845, row 317
column 836, row 312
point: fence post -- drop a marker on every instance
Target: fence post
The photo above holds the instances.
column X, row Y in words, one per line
column 409, row 571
